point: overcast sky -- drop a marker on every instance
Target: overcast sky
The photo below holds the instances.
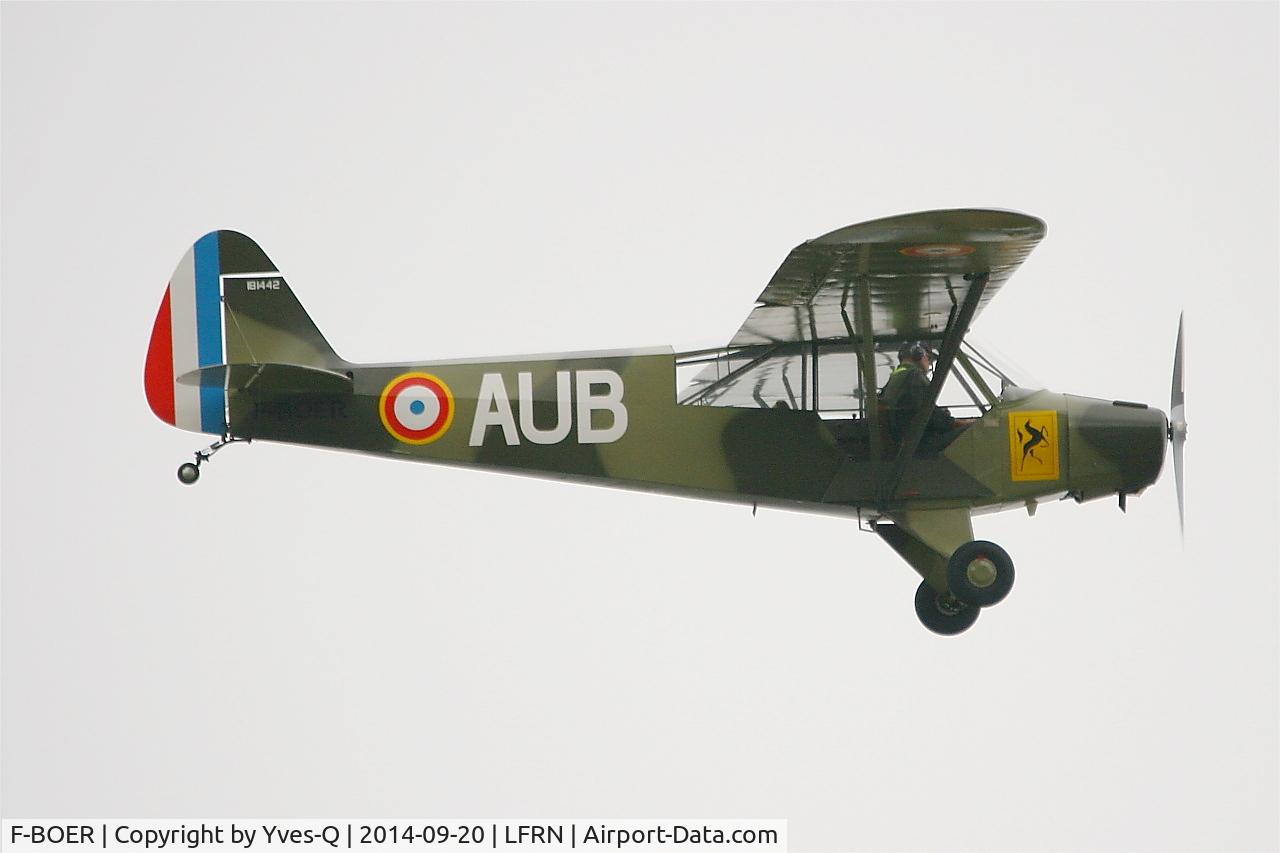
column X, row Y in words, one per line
column 309, row 633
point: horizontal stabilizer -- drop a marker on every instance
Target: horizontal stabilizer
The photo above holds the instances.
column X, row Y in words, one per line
column 275, row 378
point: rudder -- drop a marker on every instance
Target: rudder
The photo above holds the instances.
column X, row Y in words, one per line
column 226, row 303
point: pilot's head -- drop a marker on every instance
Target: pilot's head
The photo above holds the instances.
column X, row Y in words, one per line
column 916, row 353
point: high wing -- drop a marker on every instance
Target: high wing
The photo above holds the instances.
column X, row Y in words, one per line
column 889, row 280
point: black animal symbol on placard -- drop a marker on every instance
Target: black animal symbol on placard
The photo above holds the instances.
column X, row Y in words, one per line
column 1029, row 445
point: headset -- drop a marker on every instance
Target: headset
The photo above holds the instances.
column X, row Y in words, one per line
column 912, row 351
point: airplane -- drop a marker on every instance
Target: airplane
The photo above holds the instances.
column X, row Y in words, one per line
column 786, row 415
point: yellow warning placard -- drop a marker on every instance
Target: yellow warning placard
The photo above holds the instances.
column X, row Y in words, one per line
column 1033, row 445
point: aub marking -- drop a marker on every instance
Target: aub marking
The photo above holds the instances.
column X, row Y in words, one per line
column 493, row 408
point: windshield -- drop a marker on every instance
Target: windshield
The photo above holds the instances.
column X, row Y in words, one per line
column 996, row 363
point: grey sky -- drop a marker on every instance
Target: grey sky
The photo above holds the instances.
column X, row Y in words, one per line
column 313, row 633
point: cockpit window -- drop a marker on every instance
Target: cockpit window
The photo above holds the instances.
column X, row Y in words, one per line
column 831, row 380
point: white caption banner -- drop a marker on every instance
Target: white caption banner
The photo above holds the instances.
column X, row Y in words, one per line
column 633, row 836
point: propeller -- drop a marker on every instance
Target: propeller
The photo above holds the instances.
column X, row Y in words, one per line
column 1178, row 425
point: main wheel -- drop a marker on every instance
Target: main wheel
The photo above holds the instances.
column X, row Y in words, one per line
column 943, row 614
column 980, row 573
column 188, row 473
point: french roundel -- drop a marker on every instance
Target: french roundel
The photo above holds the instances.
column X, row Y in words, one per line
column 937, row 250
column 416, row 408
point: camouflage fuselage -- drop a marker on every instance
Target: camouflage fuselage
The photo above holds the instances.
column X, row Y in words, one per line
column 630, row 432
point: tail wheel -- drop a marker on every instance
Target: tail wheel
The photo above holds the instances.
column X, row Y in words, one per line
column 980, row 573
column 188, row 473
column 943, row 613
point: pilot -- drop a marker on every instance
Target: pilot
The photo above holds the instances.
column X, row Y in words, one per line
column 904, row 394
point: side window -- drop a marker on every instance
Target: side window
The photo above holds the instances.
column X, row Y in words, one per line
column 832, row 383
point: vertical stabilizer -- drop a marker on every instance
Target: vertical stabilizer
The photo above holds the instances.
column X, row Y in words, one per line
column 226, row 304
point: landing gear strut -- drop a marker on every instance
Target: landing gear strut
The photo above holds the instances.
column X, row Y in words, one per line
column 189, row 472
column 971, row 574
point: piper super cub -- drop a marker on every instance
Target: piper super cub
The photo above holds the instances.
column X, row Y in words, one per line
column 787, row 414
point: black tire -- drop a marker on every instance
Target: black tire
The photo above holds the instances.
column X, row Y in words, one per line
column 943, row 614
column 973, row 558
column 188, row 473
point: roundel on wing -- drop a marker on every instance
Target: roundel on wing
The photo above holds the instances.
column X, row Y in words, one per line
column 937, row 250
column 416, row 408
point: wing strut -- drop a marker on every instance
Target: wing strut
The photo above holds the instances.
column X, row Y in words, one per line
column 957, row 328
column 813, row 332
column 867, row 361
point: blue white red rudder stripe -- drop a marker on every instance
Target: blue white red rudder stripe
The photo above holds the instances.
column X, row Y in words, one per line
column 188, row 335
column 226, row 304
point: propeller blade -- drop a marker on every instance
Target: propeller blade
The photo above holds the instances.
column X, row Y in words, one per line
column 1175, row 394
column 1177, row 479
column 1178, row 426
